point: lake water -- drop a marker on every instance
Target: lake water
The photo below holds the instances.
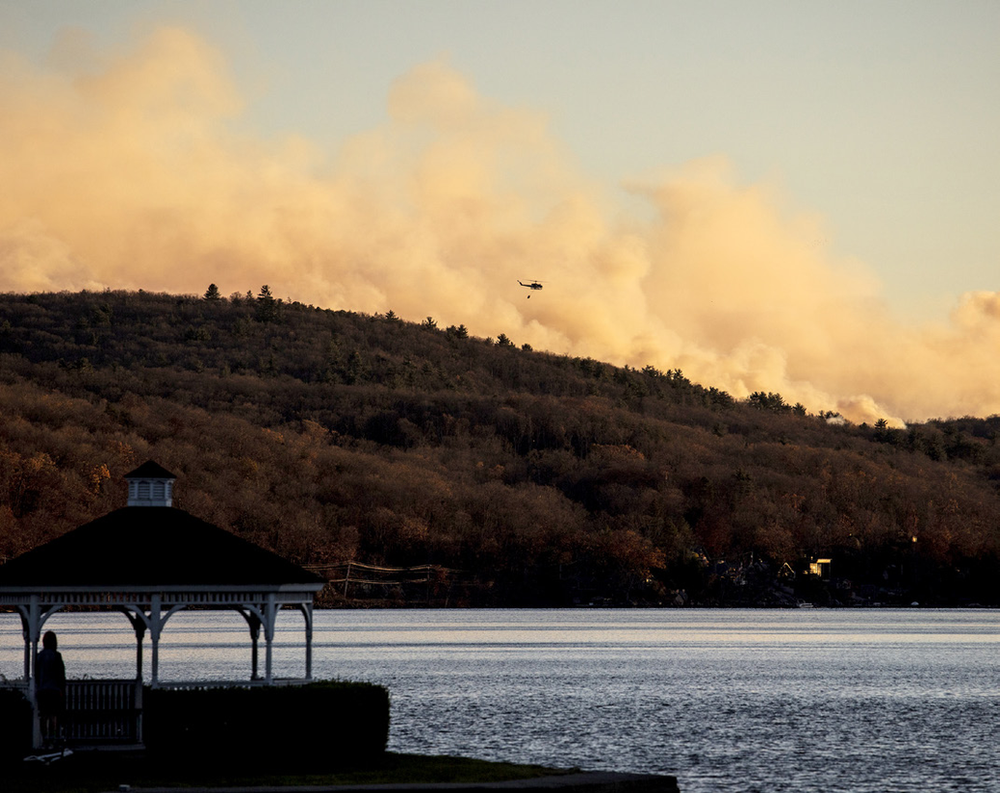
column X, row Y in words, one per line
column 727, row 700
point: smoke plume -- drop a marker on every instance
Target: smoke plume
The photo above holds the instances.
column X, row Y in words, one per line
column 127, row 170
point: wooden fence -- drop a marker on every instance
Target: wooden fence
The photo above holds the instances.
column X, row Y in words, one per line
column 422, row 582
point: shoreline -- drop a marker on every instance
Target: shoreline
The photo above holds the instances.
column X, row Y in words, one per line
column 577, row 782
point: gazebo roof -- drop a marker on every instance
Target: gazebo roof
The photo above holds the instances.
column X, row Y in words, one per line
column 152, row 547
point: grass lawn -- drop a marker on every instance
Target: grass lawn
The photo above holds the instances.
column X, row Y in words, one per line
column 94, row 772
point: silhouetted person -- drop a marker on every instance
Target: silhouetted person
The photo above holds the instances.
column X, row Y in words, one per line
column 50, row 687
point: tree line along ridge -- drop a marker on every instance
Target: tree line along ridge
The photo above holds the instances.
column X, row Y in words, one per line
column 518, row 477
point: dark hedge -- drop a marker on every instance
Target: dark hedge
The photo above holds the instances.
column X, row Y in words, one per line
column 331, row 720
column 15, row 724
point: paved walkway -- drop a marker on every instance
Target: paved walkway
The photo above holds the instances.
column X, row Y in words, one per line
column 591, row 782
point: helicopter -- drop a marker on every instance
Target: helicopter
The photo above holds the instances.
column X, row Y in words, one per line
column 533, row 285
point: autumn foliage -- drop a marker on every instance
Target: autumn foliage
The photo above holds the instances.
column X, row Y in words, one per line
column 517, row 477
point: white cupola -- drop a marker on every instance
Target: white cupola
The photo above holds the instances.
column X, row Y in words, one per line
column 150, row 485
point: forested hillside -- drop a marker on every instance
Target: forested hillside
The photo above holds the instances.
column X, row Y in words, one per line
column 495, row 474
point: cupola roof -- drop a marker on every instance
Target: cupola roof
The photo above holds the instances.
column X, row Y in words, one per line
column 150, row 485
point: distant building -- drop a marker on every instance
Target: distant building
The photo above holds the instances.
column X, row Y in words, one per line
column 821, row 568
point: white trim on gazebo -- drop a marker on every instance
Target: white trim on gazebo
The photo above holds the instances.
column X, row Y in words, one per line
column 149, row 612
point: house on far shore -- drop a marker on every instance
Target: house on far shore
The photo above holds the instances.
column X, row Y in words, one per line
column 149, row 560
column 821, row 568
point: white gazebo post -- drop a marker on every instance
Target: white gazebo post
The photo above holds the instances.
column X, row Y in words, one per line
column 155, row 626
column 270, row 617
column 307, row 612
column 33, row 632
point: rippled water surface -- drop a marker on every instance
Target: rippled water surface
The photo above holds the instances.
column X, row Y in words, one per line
column 799, row 700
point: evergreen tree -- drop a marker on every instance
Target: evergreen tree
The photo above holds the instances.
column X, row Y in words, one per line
column 212, row 293
column 267, row 306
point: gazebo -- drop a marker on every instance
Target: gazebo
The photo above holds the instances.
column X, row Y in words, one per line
column 149, row 560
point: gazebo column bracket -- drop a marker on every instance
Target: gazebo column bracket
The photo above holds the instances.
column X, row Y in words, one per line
column 307, row 614
column 157, row 619
column 140, row 624
column 254, row 617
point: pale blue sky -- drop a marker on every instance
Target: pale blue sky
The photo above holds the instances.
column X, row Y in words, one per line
column 883, row 117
